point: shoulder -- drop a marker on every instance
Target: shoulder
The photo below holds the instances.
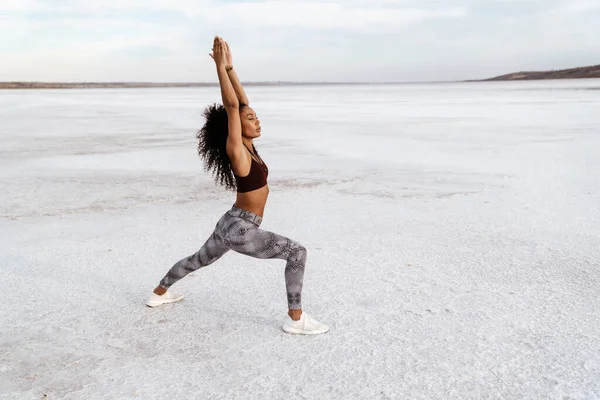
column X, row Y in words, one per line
column 240, row 159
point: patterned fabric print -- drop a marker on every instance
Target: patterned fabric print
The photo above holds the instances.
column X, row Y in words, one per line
column 241, row 233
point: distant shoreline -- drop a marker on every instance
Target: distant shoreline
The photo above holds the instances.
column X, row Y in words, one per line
column 572, row 73
column 141, row 85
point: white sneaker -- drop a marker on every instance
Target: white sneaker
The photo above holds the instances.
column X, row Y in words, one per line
column 156, row 300
column 306, row 325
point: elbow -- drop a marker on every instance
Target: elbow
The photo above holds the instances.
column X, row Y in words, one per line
column 231, row 105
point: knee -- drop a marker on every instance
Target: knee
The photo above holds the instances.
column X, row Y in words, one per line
column 300, row 253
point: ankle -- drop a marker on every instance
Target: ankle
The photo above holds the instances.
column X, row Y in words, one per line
column 295, row 314
column 159, row 290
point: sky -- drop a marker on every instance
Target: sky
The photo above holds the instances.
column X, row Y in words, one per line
column 294, row 40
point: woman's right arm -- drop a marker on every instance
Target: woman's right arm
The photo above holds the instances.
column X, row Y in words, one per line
column 235, row 147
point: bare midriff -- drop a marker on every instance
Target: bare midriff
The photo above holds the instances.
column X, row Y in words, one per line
column 253, row 201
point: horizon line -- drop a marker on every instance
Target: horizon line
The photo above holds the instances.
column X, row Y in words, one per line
column 141, row 84
column 211, row 83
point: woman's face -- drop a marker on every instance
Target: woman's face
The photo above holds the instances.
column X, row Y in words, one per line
column 250, row 123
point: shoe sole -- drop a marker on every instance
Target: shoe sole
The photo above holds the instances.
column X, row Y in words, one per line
column 301, row 332
column 152, row 305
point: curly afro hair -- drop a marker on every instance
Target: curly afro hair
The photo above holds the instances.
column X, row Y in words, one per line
column 212, row 140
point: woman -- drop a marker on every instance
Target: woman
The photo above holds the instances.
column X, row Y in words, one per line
column 226, row 145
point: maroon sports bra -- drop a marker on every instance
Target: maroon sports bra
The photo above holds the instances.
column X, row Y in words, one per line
column 256, row 179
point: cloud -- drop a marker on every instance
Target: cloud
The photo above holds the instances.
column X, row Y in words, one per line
column 98, row 5
column 294, row 39
column 578, row 6
column 20, row 5
column 324, row 15
column 329, row 14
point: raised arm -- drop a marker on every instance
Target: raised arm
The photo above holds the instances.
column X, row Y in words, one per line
column 235, row 81
column 235, row 147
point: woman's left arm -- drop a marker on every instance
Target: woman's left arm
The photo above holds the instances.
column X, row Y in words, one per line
column 235, row 81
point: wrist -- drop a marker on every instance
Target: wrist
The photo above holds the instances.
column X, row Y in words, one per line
column 228, row 67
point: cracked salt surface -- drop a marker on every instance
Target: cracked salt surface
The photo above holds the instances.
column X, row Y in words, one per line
column 452, row 233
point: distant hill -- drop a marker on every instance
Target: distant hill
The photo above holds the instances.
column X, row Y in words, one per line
column 573, row 73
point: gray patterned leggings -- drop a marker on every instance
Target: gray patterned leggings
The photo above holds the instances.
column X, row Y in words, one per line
column 238, row 230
